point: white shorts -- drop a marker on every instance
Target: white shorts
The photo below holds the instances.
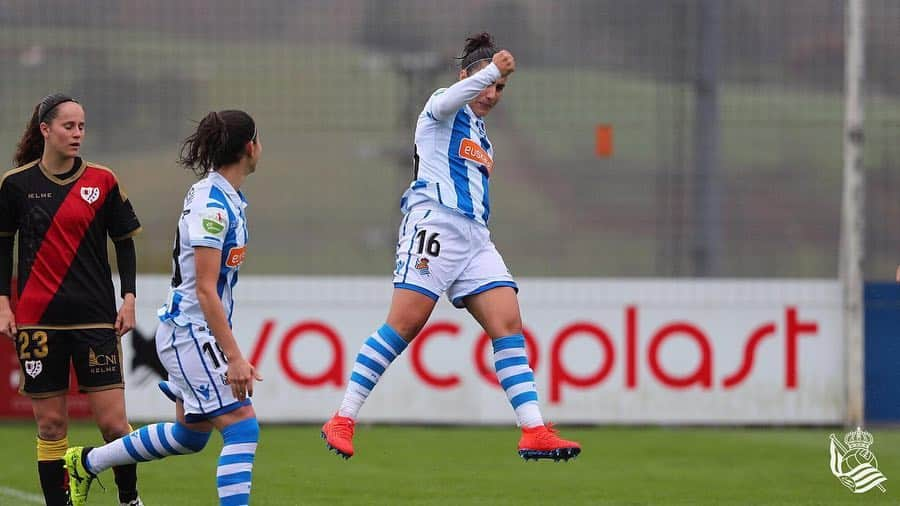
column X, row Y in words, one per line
column 440, row 251
column 198, row 369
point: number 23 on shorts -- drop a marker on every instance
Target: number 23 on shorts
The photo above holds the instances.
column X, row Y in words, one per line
column 32, row 346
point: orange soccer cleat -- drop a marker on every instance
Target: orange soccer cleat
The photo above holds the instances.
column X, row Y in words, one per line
column 543, row 442
column 338, row 435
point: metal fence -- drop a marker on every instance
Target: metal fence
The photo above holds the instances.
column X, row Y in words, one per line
column 726, row 123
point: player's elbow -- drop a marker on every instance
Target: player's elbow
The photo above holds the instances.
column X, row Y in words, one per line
column 206, row 293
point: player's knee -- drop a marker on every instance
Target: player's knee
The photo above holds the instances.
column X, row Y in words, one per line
column 244, row 431
column 514, row 326
column 52, row 427
column 406, row 326
column 112, row 428
column 193, row 440
column 506, row 326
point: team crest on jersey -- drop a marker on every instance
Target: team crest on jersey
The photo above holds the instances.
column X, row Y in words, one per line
column 422, row 266
column 33, row 367
column 90, row 194
column 470, row 150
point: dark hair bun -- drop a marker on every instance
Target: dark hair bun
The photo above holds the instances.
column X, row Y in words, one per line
column 478, row 41
column 478, row 47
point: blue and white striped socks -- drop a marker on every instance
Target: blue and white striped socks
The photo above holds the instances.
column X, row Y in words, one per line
column 151, row 442
column 161, row 440
column 375, row 355
column 517, row 379
column 233, row 475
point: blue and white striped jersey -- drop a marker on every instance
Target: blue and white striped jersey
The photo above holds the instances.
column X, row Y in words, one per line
column 454, row 157
column 212, row 216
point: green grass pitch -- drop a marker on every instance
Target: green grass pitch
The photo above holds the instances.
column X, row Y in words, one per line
column 458, row 466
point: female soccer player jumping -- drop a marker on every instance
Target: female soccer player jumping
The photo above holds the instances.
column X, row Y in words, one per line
column 209, row 378
column 445, row 246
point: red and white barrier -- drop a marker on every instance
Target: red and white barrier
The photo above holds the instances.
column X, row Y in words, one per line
column 603, row 351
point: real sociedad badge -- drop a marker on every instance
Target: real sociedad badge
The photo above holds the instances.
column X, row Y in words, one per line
column 853, row 464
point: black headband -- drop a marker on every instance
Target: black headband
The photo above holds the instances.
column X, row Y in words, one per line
column 46, row 107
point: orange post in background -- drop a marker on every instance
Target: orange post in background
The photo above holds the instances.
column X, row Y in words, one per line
column 604, row 142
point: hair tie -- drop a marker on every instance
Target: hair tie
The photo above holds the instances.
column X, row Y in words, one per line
column 477, row 61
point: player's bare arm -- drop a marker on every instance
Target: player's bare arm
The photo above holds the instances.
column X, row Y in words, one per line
column 240, row 372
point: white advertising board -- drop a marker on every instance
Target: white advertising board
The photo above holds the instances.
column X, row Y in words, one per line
column 603, row 351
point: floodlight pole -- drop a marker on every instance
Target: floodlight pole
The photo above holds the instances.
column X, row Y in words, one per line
column 853, row 217
column 707, row 237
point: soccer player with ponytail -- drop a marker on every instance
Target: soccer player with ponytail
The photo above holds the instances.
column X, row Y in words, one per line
column 62, row 209
column 210, row 380
column 445, row 247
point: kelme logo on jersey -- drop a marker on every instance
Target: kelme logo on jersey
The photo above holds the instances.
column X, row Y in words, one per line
column 90, row 194
column 469, row 150
column 236, row 256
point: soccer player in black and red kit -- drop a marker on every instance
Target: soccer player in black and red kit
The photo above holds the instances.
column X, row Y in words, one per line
column 62, row 209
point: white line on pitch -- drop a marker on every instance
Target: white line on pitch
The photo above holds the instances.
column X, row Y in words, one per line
column 18, row 494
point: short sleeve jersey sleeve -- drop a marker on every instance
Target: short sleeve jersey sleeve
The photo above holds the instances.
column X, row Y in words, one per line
column 207, row 223
column 123, row 221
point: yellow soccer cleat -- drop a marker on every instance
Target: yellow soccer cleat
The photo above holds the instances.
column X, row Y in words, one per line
column 79, row 477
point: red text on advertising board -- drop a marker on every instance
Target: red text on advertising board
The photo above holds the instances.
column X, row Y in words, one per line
column 560, row 375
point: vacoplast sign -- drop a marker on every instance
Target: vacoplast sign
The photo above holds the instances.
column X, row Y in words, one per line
column 602, row 352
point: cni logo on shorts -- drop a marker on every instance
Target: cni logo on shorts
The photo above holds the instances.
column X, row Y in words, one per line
column 90, row 194
column 100, row 364
column 854, row 465
column 33, row 367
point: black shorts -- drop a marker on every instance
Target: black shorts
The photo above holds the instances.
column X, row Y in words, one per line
column 45, row 354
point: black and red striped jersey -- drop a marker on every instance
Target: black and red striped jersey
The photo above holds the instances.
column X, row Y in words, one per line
column 63, row 222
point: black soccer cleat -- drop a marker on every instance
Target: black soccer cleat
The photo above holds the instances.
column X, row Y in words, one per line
column 556, row 455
